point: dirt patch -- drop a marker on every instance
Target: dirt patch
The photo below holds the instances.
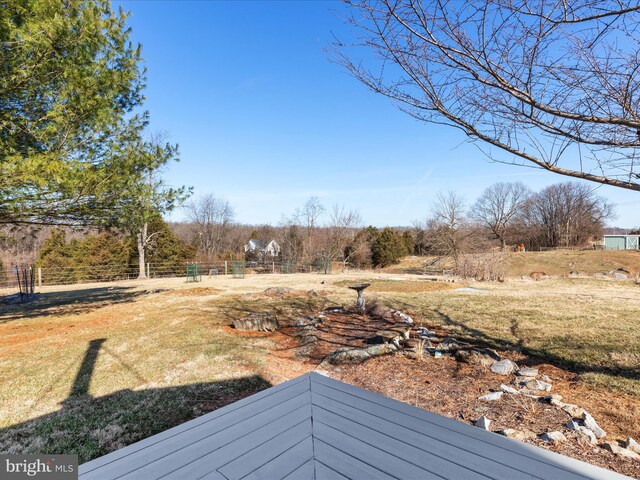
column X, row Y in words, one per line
column 195, row 292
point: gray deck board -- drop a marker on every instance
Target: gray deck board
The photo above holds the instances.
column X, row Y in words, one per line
column 547, row 463
column 346, row 465
column 298, row 385
column 303, row 472
column 314, row 427
column 286, row 463
column 324, row 472
column 248, row 432
column 231, row 451
column 255, row 458
column 461, row 450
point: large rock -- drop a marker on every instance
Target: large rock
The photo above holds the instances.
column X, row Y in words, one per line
column 520, row 435
column 504, row 367
column 449, row 345
column 527, row 372
column 258, row 321
column 483, row 422
column 534, row 384
column 632, row 445
column 553, row 437
column 491, row 397
column 573, row 410
column 402, row 317
column 613, row 447
column 277, row 290
column 582, row 433
column 357, row 355
column 305, row 321
column 553, row 399
column 591, row 424
column 485, row 357
column 508, row 389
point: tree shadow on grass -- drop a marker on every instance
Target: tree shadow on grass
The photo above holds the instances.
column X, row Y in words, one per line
column 91, row 427
column 536, row 355
column 284, row 307
column 72, row 302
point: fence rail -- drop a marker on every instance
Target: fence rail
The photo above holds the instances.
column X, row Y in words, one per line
column 49, row 276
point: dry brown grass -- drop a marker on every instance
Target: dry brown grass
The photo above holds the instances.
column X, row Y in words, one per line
column 563, row 262
column 168, row 355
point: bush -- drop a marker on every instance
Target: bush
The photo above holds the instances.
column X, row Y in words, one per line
column 387, row 248
column 483, row 266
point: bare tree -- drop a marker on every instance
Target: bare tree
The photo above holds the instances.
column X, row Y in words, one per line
column 498, row 207
column 548, row 83
column 448, row 229
column 308, row 217
column 211, row 217
column 310, row 213
column 566, row 214
column 340, row 232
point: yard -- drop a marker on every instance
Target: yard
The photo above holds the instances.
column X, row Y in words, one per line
column 90, row 369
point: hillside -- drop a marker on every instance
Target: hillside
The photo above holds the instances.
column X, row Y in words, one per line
column 556, row 263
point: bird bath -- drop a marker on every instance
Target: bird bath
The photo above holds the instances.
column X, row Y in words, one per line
column 360, row 288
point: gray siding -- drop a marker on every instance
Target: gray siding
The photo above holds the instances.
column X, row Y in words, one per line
column 314, row 427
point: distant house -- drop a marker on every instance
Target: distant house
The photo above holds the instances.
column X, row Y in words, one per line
column 262, row 248
column 622, row 242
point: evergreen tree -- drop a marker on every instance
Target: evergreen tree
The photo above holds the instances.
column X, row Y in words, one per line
column 70, row 80
column 387, row 247
column 165, row 250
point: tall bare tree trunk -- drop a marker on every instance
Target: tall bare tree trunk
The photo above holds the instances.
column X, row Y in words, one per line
column 142, row 241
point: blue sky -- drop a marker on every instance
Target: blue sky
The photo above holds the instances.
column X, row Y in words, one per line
column 264, row 120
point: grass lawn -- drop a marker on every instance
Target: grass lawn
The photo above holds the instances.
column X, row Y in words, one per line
column 88, row 371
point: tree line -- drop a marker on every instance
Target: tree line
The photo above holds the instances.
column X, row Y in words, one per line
column 76, row 150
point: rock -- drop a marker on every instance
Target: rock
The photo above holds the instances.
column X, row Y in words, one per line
column 483, row 422
column 573, row 410
column 403, row 317
column 586, row 436
column 525, row 392
column 277, row 290
column 632, row 445
column 477, row 357
column 305, row 321
column 554, row 397
column 333, row 310
column 527, row 372
column 504, row 367
column 582, row 433
column 534, row 384
column 555, row 402
column 520, row 435
column 346, row 356
column 448, row 345
column 553, row 437
column 613, row 447
column 572, row 425
column 259, row 321
column 307, row 339
column 545, row 378
column 425, row 332
column 312, row 293
column 491, row 397
column 619, row 275
column 591, row 424
column 537, row 275
column 508, row 389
